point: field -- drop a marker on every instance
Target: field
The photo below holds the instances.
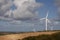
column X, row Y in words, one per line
column 20, row 36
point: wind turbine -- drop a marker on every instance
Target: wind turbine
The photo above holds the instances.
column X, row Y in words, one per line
column 34, row 30
column 46, row 21
column 51, row 28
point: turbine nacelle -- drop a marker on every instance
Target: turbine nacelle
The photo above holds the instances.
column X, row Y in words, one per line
column 45, row 19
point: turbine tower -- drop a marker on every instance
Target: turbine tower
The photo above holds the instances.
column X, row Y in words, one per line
column 46, row 21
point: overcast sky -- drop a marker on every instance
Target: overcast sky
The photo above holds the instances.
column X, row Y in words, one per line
column 25, row 15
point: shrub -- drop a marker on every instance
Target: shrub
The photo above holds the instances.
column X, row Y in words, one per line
column 30, row 38
column 56, row 36
column 18, row 39
column 40, row 37
column 44, row 37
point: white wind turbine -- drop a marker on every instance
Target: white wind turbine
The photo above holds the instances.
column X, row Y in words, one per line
column 46, row 21
column 51, row 28
column 34, row 30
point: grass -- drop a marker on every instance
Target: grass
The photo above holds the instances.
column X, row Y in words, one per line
column 55, row 36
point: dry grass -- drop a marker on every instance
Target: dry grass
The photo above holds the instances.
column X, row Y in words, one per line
column 23, row 35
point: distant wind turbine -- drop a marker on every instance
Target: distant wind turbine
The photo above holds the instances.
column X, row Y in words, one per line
column 46, row 21
column 34, row 30
column 51, row 28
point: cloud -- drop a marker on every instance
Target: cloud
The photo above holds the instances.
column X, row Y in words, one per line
column 4, row 6
column 57, row 3
column 26, row 10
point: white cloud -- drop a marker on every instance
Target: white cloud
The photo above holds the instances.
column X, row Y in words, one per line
column 4, row 6
column 26, row 9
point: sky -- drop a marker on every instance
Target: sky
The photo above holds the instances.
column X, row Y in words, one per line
column 25, row 15
column 48, row 5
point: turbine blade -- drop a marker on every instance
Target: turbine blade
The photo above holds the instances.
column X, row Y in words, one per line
column 42, row 18
column 47, row 14
column 48, row 21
